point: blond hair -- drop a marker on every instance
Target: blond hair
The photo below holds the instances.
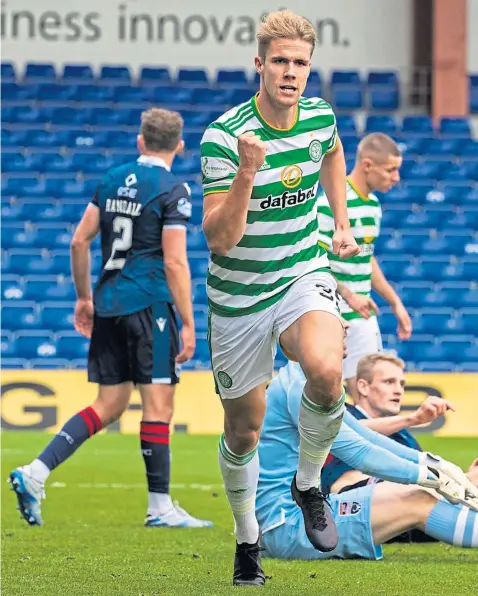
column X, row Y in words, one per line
column 161, row 129
column 284, row 24
column 366, row 364
column 378, row 147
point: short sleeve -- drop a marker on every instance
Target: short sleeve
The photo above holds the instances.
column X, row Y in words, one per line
column 176, row 206
column 94, row 201
column 219, row 159
column 333, row 139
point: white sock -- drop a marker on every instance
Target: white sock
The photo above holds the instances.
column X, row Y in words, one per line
column 241, row 475
column 38, row 471
column 159, row 503
column 318, row 427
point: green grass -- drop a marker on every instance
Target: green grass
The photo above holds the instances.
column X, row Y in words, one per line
column 94, row 542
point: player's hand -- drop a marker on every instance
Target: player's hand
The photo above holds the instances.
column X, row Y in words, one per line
column 252, row 151
column 404, row 329
column 364, row 305
column 344, row 245
column 451, row 470
column 188, row 341
column 453, row 492
column 430, row 409
column 83, row 318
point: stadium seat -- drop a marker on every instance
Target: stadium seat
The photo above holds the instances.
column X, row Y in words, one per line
column 454, row 126
column 347, row 97
column 129, row 94
column 192, row 75
column 393, row 266
column 198, row 263
column 153, row 75
column 345, row 77
column 35, row 344
column 387, row 322
column 71, row 345
column 88, row 93
column 39, row 71
column 82, row 72
column 202, row 349
column 231, row 77
column 346, row 124
column 8, row 72
column 213, row 97
column 199, row 293
column 196, row 240
column 12, row 288
column 469, row 320
column 438, row 321
column 57, row 316
column 382, row 77
column 413, row 293
column 441, row 147
column 115, row 73
column 172, row 95
column 12, row 92
column 20, row 315
column 438, row 366
column 55, row 92
column 384, row 98
column 385, row 124
column 48, row 288
column 48, row 363
column 422, row 125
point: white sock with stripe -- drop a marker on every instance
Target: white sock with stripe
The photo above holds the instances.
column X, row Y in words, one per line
column 241, row 475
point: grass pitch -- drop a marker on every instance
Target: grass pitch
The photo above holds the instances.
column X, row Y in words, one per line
column 94, row 542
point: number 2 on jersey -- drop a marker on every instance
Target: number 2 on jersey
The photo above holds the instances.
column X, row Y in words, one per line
column 124, row 227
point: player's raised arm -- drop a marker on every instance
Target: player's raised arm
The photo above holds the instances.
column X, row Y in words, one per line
column 225, row 209
column 84, row 235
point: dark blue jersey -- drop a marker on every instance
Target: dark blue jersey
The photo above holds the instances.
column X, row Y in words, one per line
column 137, row 201
column 334, row 467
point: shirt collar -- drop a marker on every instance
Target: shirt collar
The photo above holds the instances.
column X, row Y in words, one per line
column 152, row 160
column 362, row 411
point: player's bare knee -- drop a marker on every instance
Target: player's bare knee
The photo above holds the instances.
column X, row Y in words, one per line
column 419, row 502
column 241, row 439
column 108, row 410
column 324, row 382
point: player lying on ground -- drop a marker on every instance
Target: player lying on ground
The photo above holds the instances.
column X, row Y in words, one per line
column 380, row 388
column 141, row 210
column 366, row 517
column 268, row 278
column 376, row 168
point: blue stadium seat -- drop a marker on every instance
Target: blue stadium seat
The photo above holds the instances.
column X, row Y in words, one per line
column 128, row 94
column 469, row 149
column 201, row 320
column 470, row 265
column 441, row 147
column 469, row 320
column 196, row 240
column 202, row 349
column 16, row 92
column 88, row 93
column 199, row 293
column 385, row 124
column 231, row 76
column 438, row 366
column 438, row 321
column 18, row 238
column 49, row 288
column 393, row 266
column 207, row 96
column 470, row 352
column 82, row 72
column 199, row 264
column 413, row 350
column 387, row 322
column 8, row 71
column 186, row 165
column 471, row 366
column 240, row 96
column 20, row 315
column 48, row 363
column 26, row 115
column 58, row 316
column 39, row 71
column 193, row 140
column 454, row 126
column 413, row 293
column 422, row 125
column 55, row 92
column 26, row 261
column 7, row 346
column 71, row 345
column 35, row 344
column 345, row 77
column 422, row 219
column 429, row 170
column 52, row 236
column 153, row 75
column 384, row 98
column 347, row 97
column 346, row 124
column 382, row 77
column 115, row 73
column 452, row 242
column 172, row 95
column 469, row 197
column 192, row 75
column 312, row 90
column 453, row 294
column 12, row 288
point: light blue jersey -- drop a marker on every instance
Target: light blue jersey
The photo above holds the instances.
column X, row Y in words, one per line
column 363, row 449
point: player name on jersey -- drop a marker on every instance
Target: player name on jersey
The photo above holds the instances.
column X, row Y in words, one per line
column 123, row 206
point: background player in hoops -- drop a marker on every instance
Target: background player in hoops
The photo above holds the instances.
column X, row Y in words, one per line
column 268, row 279
column 141, row 210
column 377, row 168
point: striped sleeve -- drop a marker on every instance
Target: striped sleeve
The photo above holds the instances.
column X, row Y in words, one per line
column 219, row 159
column 326, row 222
column 333, row 139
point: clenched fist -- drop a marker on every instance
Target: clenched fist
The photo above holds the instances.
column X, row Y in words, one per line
column 344, row 245
column 252, row 151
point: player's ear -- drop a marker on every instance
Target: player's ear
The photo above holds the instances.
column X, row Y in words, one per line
column 140, row 144
column 180, row 147
column 362, row 387
column 258, row 64
column 366, row 164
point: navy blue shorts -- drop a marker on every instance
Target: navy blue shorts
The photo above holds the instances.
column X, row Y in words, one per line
column 140, row 347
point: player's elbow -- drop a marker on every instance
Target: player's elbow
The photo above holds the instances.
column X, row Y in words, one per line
column 175, row 265
column 78, row 243
column 218, row 248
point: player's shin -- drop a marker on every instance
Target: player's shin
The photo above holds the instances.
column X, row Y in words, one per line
column 318, row 427
column 74, row 433
column 453, row 524
column 156, row 455
column 241, row 474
